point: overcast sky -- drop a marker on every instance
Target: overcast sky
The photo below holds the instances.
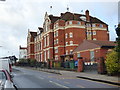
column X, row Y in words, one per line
column 17, row 16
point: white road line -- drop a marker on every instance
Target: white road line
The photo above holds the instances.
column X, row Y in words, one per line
column 41, row 78
column 58, row 84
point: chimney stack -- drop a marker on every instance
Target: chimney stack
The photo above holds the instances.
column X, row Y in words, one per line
column 87, row 15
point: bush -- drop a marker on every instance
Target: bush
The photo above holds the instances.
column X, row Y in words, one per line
column 112, row 63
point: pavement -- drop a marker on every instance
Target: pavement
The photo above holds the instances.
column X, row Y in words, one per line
column 83, row 75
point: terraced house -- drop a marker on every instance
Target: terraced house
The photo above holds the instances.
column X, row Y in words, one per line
column 61, row 35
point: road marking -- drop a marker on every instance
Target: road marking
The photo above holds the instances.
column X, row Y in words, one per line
column 66, row 82
column 41, row 78
column 58, row 84
column 101, row 82
column 80, row 86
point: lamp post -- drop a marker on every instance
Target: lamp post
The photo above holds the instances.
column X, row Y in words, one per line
column 118, row 39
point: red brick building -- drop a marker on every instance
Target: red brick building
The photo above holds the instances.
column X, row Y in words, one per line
column 60, row 35
column 30, row 44
column 91, row 50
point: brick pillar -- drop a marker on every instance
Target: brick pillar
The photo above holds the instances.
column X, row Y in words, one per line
column 101, row 66
column 80, row 65
column 50, row 64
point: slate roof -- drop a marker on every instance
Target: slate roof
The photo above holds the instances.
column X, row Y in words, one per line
column 33, row 34
column 91, row 44
column 53, row 18
column 74, row 16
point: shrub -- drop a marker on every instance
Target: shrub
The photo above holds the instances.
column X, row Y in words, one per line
column 112, row 63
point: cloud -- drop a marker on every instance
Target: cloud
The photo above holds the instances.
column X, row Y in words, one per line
column 16, row 17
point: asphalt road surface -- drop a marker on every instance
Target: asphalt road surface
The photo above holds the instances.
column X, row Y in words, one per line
column 26, row 78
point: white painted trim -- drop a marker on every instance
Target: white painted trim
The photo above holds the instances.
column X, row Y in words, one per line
column 97, row 28
column 73, row 45
column 59, row 46
column 74, row 26
column 59, row 28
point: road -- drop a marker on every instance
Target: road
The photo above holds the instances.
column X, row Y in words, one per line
column 26, row 78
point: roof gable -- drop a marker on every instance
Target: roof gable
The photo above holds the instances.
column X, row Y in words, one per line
column 85, row 46
column 91, row 44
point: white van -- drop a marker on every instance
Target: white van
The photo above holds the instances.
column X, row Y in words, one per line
column 5, row 64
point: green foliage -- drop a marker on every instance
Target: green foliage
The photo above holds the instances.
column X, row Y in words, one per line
column 112, row 62
column 27, row 62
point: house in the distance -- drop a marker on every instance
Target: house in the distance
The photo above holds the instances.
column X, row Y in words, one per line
column 22, row 52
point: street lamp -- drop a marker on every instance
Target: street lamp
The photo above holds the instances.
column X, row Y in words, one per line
column 118, row 31
column 118, row 39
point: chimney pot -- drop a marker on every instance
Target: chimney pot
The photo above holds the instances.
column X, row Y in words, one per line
column 87, row 15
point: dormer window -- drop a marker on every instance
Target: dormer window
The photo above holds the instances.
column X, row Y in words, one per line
column 83, row 18
column 101, row 25
column 88, row 25
column 93, row 25
column 70, row 22
column 79, row 23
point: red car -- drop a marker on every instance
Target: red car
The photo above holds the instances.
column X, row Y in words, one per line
column 6, row 80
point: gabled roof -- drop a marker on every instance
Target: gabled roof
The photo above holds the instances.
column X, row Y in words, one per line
column 53, row 18
column 74, row 16
column 33, row 34
column 91, row 44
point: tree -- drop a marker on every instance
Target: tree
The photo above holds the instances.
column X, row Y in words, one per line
column 112, row 63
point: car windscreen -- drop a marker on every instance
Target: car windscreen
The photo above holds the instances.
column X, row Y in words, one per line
column 2, row 75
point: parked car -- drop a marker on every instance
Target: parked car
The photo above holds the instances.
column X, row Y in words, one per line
column 6, row 64
column 6, row 80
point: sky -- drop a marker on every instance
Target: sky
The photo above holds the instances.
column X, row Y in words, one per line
column 17, row 16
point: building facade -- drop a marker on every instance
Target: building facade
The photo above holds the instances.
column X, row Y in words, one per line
column 60, row 35
column 30, row 44
column 22, row 52
column 91, row 50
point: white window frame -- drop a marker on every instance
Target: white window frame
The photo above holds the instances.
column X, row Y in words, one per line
column 48, row 40
column 56, row 33
column 70, row 22
column 56, row 41
column 94, row 32
column 66, row 52
column 48, row 52
column 66, row 43
column 71, row 42
column 56, row 50
column 45, row 41
column 93, row 25
column 45, row 56
column 71, row 35
column 94, row 39
column 56, row 57
column 79, row 23
column 66, row 35
column 101, row 25
column 78, row 55
column 71, row 51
